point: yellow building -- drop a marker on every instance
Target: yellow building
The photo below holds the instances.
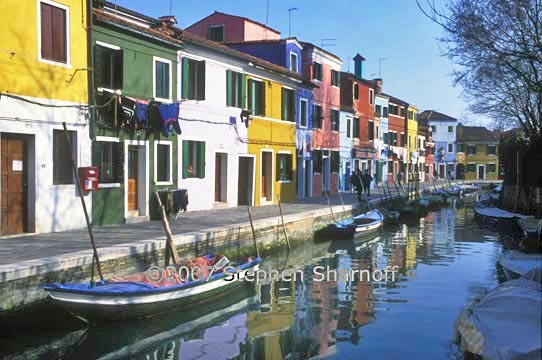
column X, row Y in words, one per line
column 477, row 154
column 412, row 140
column 43, row 82
column 272, row 140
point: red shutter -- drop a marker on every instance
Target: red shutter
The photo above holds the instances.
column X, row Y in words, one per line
column 59, row 35
column 46, row 30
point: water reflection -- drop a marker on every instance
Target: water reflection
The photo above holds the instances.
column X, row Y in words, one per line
column 443, row 261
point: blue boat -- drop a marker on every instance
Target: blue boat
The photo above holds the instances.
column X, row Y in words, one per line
column 152, row 292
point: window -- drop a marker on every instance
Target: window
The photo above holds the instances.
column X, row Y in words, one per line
column 62, row 166
column 335, row 161
column 356, row 91
column 162, row 162
column 393, row 109
column 491, row 168
column 335, row 78
column 193, row 79
column 385, row 112
column 54, row 22
column 471, row 167
column 403, row 140
column 284, row 167
column 348, row 128
column 293, row 62
column 108, row 156
column 317, row 71
column 356, row 128
column 371, row 130
column 193, row 159
column 433, row 128
column 378, row 110
column 162, row 79
column 317, row 161
column 215, row 33
column 394, row 139
column 316, row 117
column 235, row 89
column 108, row 67
column 471, row 149
column 460, row 147
column 377, row 136
column 288, row 105
column 303, row 121
column 390, row 167
column 256, row 97
column 450, row 147
column 402, row 112
column 371, row 96
column 335, row 120
column 410, row 114
column 450, row 129
column 492, row 150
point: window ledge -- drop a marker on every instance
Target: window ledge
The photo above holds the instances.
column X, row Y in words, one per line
column 163, row 183
column 63, row 186
column 284, row 181
column 56, row 63
column 162, row 100
column 108, row 185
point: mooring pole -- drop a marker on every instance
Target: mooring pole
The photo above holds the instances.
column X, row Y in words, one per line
column 80, row 188
column 340, row 196
column 253, row 232
column 170, row 247
column 282, row 219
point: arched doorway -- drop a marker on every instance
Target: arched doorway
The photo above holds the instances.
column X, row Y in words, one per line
column 460, row 171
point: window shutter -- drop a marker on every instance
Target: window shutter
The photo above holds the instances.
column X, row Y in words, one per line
column 229, row 86
column 117, row 71
column 250, row 95
column 98, row 66
column 242, row 101
column 184, row 90
column 201, row 80
column 261, row 100
column 119, row 164
column 209, row 33
column 46, row 31
column 284, row 108
column 185, row 158
column 201, row 159
column 59, row 35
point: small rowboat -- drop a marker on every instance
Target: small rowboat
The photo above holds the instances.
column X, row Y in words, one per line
column 516, row 263
column 153, row 292
column 360, row 225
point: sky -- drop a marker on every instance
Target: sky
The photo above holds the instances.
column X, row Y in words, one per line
column 414, row 70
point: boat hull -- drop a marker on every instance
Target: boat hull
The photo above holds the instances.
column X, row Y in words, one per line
column 105, row 307
column 350, row 230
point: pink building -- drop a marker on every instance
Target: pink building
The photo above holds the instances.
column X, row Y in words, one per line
column 324, row 69
column 224, row 27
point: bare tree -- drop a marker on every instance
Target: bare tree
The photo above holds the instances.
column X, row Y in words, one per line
column 498, row 45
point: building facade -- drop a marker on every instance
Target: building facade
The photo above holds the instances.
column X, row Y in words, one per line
column 477, row 153
column 381, row 145
column 44, row 80
column 444, row 136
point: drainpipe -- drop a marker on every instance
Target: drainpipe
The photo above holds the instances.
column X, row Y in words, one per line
column 90, row 59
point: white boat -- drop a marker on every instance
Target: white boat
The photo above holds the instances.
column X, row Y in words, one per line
column 516, row 263
column 505, row 323
column 359, row 225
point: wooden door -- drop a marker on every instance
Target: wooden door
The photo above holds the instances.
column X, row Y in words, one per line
column 481, row 172
column 218, row 177
column 133, row 170
column 13, row 193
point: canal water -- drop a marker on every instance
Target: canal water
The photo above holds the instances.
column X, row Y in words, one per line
column 443, row 262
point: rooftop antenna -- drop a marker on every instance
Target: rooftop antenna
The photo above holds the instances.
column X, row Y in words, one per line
column 373, row 74
column 290, row 21
column 348, row 63
column 325, row 42
column 266, row 20
column 380, row 65
column 170, row 7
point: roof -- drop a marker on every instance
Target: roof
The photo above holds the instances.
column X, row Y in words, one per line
column 433, row 115
column 308, row 45
column 125, row 10
column 475, row 133
column 235, row 16
column 261, row 41
column 180, row 36
column 397, row 100
column 353, row 76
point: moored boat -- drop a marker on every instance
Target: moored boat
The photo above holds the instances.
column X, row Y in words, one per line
column 516, row 263
column 360, row 225
column 152, row 292
column 532, row 235
column 497, row 219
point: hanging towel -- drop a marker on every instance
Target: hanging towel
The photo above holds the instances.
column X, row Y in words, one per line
column 142, row 113
column 170, row 118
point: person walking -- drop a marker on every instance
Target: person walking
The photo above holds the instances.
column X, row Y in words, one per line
column 355, row 181
column 400, row 178
column 366, row 181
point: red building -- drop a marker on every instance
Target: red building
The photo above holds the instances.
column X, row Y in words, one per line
column 359, row 94
column 324, row 69
column 397, row 137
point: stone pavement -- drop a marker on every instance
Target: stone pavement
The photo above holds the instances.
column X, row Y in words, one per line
column 34, row 246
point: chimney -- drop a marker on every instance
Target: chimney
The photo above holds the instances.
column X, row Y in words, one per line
column 358, row 65
column 168, row 19
column 378, row 83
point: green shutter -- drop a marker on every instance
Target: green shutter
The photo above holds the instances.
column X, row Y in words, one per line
column 200, row 80
column 250, row 99
column 185, row 158
column 184, row 91
column 201, row 159
column 98, row 66
column 242, row 101
column 284, row 105
column 229, row 85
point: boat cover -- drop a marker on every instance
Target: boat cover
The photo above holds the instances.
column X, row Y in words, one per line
column 506, row 322
column 499, row 213
column 519, row 262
